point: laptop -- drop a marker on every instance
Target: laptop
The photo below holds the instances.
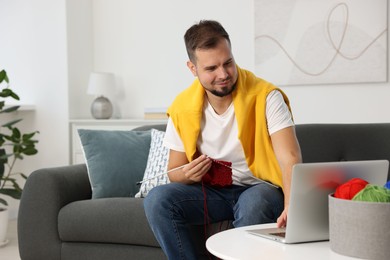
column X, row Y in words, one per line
column 311, row 183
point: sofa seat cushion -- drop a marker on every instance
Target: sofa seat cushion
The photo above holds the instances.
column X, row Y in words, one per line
column 118, row 221
column 106, row 220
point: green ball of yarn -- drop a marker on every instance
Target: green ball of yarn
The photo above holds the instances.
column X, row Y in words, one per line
column 373, row 193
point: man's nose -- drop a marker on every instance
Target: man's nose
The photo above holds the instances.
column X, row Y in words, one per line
column 222, row 73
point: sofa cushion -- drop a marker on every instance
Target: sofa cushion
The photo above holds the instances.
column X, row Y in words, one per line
column 116, row 160
column 107, row 220
column 156, row 167
column 119, row 221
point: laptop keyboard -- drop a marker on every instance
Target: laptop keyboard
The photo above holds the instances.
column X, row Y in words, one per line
column 279, row 234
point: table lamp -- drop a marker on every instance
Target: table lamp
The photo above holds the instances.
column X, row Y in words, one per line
column 101, row 84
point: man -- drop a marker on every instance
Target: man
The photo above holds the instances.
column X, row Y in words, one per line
column 227, row 114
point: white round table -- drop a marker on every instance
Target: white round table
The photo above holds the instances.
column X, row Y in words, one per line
column 234, row 244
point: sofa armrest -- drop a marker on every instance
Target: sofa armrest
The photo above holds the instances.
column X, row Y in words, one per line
column 46, row 191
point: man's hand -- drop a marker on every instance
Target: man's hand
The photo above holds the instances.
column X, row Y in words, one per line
column 195, row 170
column 282, row 219
column 192, row 172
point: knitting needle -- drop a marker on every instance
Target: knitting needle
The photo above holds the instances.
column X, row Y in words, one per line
column 161, row 174
column 177, row 168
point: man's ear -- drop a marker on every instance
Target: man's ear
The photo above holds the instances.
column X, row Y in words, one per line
column 192, row 68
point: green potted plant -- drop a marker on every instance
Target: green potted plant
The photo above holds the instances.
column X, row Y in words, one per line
column 13, row 146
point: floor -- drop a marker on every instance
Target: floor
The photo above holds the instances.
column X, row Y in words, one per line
column 10, row 251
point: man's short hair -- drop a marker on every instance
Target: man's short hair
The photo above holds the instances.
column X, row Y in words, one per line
column 204, row 35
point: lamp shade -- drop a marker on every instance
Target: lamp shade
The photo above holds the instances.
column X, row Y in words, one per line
column 101, row 83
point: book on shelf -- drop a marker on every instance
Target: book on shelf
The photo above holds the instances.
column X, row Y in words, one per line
column 155, row 116
column 155, row 113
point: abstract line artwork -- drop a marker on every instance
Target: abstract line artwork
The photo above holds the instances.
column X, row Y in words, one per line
column 302, row 42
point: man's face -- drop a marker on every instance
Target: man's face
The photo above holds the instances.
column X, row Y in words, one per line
column 215, row 69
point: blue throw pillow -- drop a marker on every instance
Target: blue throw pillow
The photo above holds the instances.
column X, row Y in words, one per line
column 116, row 160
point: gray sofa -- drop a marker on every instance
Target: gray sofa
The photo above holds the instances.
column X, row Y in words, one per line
column 58, row 220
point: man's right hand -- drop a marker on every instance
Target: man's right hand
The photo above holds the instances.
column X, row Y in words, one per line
column 192, row 172
column 196, row 169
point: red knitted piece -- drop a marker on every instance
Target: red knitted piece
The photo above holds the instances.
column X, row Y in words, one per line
column 350, row 188
column 219, row 175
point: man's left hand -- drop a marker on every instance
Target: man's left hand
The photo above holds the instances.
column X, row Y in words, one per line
column 282, row 219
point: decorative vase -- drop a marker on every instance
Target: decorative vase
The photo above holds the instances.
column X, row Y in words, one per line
column 101, row 108
column 3, row 225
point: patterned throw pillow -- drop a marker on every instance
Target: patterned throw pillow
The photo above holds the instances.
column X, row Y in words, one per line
column 156, row 165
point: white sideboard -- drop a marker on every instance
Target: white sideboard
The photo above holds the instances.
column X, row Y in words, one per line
column 76, row 153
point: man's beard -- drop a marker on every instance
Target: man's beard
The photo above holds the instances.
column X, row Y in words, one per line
column 224, row 92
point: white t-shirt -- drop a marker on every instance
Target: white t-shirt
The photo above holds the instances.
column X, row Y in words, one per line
column 219, row 135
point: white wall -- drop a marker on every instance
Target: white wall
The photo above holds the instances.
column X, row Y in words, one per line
column 33, row 52
column 80, row 55
column 142, row 43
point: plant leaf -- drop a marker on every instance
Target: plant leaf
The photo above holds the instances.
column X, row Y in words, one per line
column 10, row 109
column 27, row 137
column 4, row 202
column 11, row 123
column 7, row 92
column 29, row 151
column 16, row 133
column 3, row 76
column 16, row 194
column 2, row 168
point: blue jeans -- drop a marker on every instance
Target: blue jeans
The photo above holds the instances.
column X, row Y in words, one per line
column 171, row 208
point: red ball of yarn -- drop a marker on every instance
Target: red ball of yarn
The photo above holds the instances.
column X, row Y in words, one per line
column 350, row 188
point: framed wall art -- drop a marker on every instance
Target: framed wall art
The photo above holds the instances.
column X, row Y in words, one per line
column 308, row 42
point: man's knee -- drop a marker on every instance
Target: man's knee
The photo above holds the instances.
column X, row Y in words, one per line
column 257, row 205
column 161, row 197
column 153, row 203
